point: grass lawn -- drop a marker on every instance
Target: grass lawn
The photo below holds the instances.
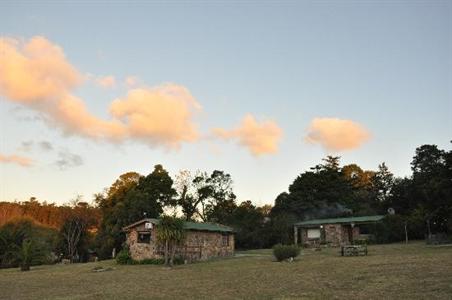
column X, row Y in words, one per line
column 390, row 271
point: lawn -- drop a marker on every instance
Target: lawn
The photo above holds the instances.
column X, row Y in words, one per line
column 390, row 271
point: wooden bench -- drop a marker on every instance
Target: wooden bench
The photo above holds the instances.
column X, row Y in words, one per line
column 354, row 250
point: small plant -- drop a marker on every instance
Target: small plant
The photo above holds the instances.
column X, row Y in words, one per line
column 123, row 257
column 282, row 252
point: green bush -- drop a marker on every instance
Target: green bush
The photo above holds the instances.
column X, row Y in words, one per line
column 282, row 252
column 149, row 261
column 179, row 260
column 123, row 257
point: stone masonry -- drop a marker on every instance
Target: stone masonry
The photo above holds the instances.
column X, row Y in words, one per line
column 198, row 245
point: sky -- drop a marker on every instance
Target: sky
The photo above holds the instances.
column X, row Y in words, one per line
column 260, row 89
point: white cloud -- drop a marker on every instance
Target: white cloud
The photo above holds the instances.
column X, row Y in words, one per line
column 336, row 135
column 260, row 138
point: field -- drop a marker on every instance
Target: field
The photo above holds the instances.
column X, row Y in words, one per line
column 390, row 271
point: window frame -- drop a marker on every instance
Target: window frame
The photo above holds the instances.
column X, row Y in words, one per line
column 144, row 233
column 225, row 239
column 316, row 237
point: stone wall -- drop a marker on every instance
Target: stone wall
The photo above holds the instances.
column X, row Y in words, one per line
column 198, row 245
column 140, row 251
column 333, row 235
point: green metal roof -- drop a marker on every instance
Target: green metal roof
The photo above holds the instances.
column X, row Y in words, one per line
column 356, row 220
column 188, row 225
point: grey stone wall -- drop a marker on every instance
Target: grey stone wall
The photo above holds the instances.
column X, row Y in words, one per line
column 198, row 245
column 333, row 235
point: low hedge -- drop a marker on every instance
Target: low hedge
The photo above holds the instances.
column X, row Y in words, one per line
column 282, row 252
column 123, row 258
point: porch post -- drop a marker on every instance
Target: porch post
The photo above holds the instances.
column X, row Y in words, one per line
column 295, row 234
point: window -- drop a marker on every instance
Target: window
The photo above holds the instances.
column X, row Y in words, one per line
column 314, row 233
column 225, row 240
column 144, row 237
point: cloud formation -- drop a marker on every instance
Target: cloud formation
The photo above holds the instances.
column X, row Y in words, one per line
column 67, row 159
column 26, row 146
column 260, row 138
column 132, row 81
column 158, row 115
column 106, row 81
column 35, row 71
column 16, row 159
column 336, row 135
column 46, row 146
column 36, row 74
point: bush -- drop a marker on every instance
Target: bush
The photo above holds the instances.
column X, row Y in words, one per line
column 179, row 260
column 24, row 242
column 149, row 261
column 282, row 252
column 123, row 257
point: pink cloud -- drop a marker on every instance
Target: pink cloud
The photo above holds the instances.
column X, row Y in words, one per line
column 336, row 135
column 106, row 81
column 260, row 138
column 35, row 71
column 37, row 74
column 16, row 159
column 132, row 81
column 158, row 115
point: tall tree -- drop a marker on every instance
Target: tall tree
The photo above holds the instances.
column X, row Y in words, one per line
column 324, row 192
column 131, row 198
column 204, row 197
column 170, row 233
column 383, row 181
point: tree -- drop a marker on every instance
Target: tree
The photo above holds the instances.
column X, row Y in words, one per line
column 383, row 181
column 248, row 222
column 192, row 193
column 24, row 243
column 75, row 228
column 208, row 198
column 131, row 198
column 30, row 253
column 170, row 234
column 324, row 192
column 432, row 186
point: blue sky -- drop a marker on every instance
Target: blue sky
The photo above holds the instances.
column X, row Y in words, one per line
column 387, row 67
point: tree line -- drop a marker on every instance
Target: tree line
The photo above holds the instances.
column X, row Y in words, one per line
column 422, row 203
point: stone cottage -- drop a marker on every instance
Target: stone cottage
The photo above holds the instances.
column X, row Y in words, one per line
column 333, row 232
column 203, row 241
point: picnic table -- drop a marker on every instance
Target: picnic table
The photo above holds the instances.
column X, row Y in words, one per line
column 353, row 250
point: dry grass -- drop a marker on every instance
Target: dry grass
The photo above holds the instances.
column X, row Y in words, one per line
column 390, row 271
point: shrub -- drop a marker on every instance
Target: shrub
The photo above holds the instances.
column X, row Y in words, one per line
column 123, row 257
column 282, row 252
column 24, row 242
column 178, row 260
column 149, row 261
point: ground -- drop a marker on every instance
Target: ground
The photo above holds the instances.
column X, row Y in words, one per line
column 399, row 271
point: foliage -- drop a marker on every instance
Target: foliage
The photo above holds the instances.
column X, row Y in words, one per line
column 128, row 200
column 123, row 257
column 31, row 253
column 170, row 234
column 282, row 252
column 25, row 243
column 74, row 234
column 320, row 193
column 209, row 198
column 47, row 214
